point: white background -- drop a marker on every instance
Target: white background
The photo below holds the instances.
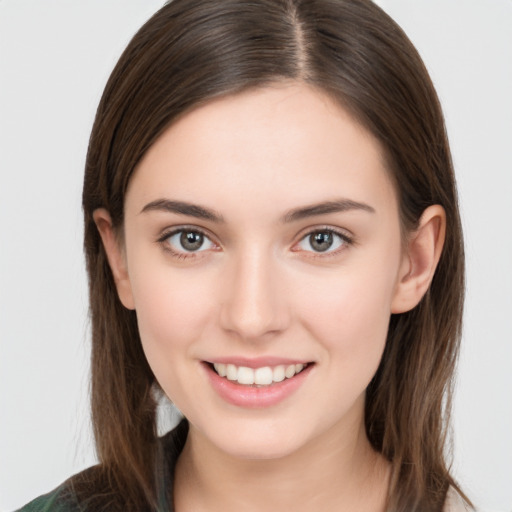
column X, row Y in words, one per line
column 55, row 57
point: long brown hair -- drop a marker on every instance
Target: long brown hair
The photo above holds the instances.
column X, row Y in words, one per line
column 192, row 51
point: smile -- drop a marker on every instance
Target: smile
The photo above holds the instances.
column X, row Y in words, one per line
column 257, row 384
column 264, row 376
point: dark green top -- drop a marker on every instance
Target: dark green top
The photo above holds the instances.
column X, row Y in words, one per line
column 58, row 500
column 65, row 499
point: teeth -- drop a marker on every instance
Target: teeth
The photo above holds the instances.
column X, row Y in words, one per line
column 278, row 374
column 290, row 371
column 221, row 369
column 260, row 376
column 245, row 375
column 263, row 376
column 231, row 372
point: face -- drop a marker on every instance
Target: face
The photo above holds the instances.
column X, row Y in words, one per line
column 263, row 255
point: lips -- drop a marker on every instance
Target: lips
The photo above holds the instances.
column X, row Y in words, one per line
column 256, row 383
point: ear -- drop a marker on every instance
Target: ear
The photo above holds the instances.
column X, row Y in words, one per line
column 420, row 259
column 115, row 255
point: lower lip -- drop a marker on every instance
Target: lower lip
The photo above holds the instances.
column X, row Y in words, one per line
column 254, row 397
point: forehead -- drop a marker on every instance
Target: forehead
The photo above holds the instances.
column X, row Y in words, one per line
column 281, row 145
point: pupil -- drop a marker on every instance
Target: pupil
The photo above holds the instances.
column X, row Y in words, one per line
column 191, row 241
column 321, row 241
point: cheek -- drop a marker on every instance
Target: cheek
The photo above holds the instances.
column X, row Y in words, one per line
column 349, row 316
column 351, row 319
column 172, row 310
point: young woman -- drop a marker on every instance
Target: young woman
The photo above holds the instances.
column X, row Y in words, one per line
column 273, row 242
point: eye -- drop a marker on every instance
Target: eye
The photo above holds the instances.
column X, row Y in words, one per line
column 187, row 241
column 323, row 241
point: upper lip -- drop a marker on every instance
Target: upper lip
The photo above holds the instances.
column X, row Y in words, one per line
column 257, row 362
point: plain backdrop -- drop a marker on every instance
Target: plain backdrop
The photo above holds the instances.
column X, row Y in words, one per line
column 55, row 57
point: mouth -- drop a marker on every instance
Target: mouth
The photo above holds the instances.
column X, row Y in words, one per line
column 258, row 377
column 257, row 384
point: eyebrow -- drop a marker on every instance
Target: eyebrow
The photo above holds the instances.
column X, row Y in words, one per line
column 184, row 208
column 201, row 212
column 336, row 206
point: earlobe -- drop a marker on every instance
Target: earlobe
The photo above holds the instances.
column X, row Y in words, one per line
column 420, row 260
column 115, row 256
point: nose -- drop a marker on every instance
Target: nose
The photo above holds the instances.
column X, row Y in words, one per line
column 254, row 306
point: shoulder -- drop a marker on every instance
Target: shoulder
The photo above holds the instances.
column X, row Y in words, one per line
column 455, row 503
column 77, row 494
column 92, row 490
column 88, row 491
column 61, row 499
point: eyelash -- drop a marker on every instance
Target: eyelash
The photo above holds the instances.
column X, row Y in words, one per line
column 344, row 238
column 346, row 241
column 182, row 229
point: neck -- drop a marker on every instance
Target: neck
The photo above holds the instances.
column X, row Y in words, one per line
column 336, row 471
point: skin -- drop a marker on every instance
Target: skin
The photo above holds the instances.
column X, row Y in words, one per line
column 258, row 288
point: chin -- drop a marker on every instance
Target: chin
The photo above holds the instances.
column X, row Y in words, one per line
column 258, row 440
column 270, row 450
